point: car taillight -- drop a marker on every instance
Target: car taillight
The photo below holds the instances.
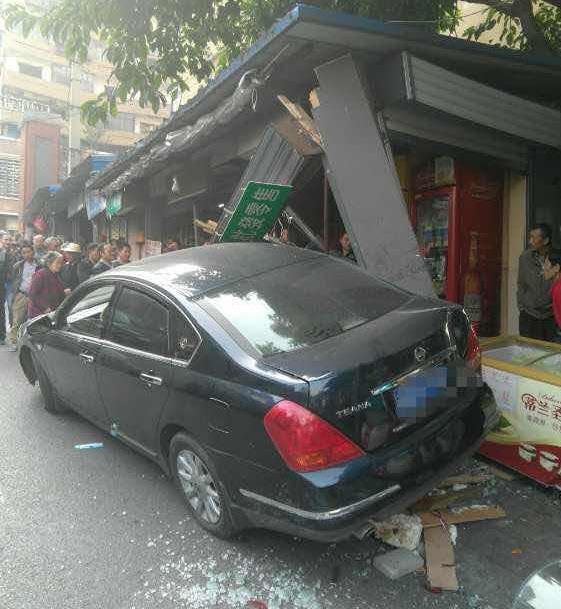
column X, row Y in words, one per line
column 473, row 356
column 305, row 441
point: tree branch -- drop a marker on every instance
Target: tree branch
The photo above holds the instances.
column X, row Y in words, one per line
column 525, row 12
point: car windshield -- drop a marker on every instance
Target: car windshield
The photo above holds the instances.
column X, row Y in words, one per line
column 300, row 305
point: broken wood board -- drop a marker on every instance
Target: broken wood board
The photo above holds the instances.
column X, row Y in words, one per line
column 462, row 515
column 441, row 502
column 293, row 133
column 303, row 118
column 440, row 560
column 465, row 479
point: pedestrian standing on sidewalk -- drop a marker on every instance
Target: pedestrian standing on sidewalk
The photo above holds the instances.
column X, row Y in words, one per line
column 106, row 259
column 5, row 269
column 52, row 244
column 22, row 273
column 71, row 252
column 85, row 267
column 47, row 290
column 39, row 248
column 124, row 255
column 534, row 290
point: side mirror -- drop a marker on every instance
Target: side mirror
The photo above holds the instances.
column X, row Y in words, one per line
column 40, row 324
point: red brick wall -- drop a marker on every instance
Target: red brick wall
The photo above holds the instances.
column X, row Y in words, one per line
column 41, row 157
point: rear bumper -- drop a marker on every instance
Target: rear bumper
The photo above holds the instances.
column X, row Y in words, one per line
column 350, row 520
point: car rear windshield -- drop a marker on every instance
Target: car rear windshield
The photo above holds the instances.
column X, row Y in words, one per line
column 300, row 305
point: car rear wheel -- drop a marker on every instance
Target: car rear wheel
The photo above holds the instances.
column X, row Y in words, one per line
column 198, row 480
column 50, row 401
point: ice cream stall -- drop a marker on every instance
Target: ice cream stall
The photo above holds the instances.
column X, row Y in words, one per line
column 525, row 376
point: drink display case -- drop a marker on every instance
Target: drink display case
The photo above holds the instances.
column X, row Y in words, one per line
column 457, row 216
column 525, row 376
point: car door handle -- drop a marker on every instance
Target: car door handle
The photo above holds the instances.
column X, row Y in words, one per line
column 87, row 358
column 150, row 380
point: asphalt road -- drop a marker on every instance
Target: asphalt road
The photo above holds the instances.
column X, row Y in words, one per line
column 103, row 529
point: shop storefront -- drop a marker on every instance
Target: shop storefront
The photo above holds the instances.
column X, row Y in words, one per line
column 445, row 113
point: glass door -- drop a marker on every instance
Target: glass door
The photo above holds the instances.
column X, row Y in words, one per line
column 432, row 235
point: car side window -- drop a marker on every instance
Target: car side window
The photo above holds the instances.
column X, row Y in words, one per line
column 185, row 338
column 89, row 314
column 140, row 322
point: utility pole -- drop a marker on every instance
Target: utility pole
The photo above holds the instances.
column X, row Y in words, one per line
column 74, row 123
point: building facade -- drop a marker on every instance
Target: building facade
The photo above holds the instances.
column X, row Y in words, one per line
column 36, row 80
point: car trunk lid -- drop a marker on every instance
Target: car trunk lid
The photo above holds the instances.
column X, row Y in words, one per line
column 386, row 379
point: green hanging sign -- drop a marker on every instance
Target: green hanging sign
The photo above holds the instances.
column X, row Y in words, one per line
column 114, row 204
column 257, row 211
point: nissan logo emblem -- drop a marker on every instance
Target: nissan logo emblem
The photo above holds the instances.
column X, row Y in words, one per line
column 420, row 354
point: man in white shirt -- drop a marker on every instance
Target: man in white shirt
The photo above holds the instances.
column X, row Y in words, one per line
column 23, row 272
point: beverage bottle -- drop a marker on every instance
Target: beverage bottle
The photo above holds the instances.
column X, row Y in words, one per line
column 473, row 289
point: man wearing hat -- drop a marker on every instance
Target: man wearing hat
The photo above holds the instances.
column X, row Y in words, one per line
column 69, row 272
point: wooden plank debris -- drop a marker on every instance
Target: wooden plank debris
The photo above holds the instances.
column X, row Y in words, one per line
column 465, row 479
column 440, row 560
column 462, row 515
column 305, row 121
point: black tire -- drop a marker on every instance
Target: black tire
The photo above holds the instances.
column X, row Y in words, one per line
column 50, row 401
column 224, row 527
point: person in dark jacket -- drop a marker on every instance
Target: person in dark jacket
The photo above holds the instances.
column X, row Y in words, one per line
column 124, row 256
column 85, row 267
column 71, row 252
column 534, row 290
column 47, row 290
column 106, row 259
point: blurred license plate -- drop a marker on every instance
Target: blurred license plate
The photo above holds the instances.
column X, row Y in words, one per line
column 414, row 394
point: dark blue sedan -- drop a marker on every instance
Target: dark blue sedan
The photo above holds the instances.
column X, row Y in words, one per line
column 279, row 387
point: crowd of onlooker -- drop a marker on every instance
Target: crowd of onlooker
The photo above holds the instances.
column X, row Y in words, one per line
column 35, row 276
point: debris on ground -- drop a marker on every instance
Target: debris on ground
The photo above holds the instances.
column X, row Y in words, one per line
column 400, row 531
column 462, row 515
column 397, row 563
column 87, row 446
column 431, row 503
column 457, row 500
column 465, row 479
column 440, row 560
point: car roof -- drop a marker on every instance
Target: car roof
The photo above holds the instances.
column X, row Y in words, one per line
column 197, row 270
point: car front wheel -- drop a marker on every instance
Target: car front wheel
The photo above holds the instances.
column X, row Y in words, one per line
column 51, row 402
column 198, row 480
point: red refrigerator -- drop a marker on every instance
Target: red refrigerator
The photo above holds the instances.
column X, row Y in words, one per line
column 457, row 216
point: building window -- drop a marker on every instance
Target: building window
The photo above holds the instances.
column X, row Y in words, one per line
column 11, row 130
column 86, row 83
column 9, row 177
column 30, row 70
column 122, row 122
column 61, row 74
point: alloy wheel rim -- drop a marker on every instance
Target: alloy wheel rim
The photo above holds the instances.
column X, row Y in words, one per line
column 199, row 486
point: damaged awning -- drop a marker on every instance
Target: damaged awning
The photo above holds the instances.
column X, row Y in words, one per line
column 187, row 138
column 419, row 90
